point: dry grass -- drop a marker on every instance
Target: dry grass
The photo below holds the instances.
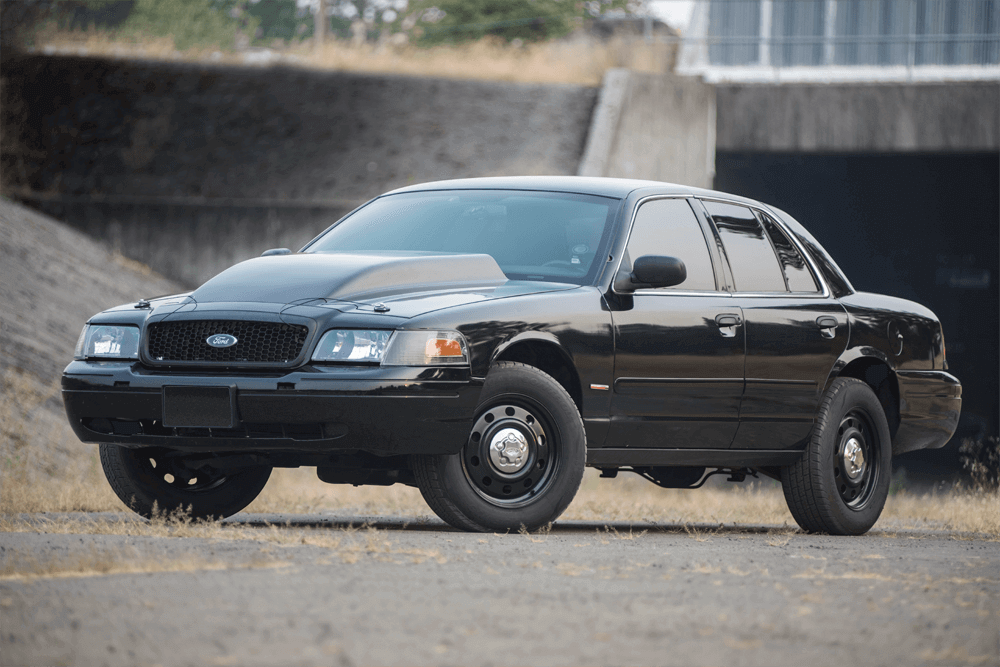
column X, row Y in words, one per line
column 300, row 491
column 24, row 566
column 580, row 61
column 622, row 500
column 966, row 510
column 43, row 468
column 632, row 499
column 347, row 544
column 956, row 654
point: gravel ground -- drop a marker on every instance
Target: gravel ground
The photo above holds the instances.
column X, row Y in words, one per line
column 397, row 593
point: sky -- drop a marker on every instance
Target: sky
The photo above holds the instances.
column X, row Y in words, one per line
column 675, row 13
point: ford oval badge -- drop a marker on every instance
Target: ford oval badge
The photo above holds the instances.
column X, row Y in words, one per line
column 221, row 340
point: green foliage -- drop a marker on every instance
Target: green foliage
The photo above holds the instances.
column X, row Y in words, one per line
column 280, row 19
column 219, row 23
column 284, row 19
column 981, row 461
column 438, row 21
column 206, row 23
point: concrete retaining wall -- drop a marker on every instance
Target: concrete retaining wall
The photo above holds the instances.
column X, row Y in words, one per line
column 652, row 126
column 190, row 168
column 132, row 151
column 953, row 117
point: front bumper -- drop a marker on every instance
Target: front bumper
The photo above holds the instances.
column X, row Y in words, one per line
column 384, row 411
column 930, row 403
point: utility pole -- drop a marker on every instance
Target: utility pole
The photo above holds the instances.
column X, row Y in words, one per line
column 319, row 26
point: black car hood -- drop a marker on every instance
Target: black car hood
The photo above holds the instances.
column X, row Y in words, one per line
column 344, row 276
column 409, row 284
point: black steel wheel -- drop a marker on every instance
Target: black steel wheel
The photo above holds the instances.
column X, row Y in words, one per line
column 841, row 483
column 855, row 469
column 507, row 458
column 522, row 463
column 167, row 480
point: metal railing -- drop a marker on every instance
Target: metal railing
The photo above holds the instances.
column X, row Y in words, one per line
column 941, row 38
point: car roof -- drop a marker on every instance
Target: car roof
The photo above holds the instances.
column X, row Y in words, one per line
column 605, row 187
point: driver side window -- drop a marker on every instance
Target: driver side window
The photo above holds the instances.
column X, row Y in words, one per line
column 668, row 227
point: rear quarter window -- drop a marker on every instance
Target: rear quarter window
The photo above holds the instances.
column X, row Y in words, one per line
column 751, row 257
column 797, row 274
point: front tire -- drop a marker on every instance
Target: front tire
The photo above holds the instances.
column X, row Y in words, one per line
column 841, row 483
column 149, row 477
column 523, row 462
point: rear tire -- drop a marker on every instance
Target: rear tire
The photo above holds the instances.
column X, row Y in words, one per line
column 523, row 461
column 841, row 483
column 146, row 477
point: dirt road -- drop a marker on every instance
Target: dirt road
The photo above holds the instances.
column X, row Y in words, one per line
column 310, row 590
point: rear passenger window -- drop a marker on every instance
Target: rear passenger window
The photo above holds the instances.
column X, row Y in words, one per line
column 751, row 257
column 668, row 227
column 797, row 273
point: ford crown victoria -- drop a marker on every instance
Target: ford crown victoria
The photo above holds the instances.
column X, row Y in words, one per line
column 486, row 339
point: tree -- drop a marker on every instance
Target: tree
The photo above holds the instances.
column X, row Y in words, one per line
column 437, row 21
column 208, row 23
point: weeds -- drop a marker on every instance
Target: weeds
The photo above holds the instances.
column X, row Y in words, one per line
column 542, row 532
column 981, row 460
column 699, row 535
column 81, row 486
column 349, row 544
column 779, row 539
column 43, row 468
column 624, row 536
column 25, row 565
column 565, row 61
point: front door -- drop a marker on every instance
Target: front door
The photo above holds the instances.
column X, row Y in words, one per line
column 679, row 351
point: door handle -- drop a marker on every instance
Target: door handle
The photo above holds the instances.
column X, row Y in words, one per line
column 827, row 325
column 727, row 320
column 727, row 323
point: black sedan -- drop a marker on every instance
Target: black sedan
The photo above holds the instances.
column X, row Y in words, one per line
column 486, row 339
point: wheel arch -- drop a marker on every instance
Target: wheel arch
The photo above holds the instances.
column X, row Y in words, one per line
column 544, row 352
column 875, row 371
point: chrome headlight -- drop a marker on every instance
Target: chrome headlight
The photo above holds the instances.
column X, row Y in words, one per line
column 427, row 348
column 357, row 345
column 106, row 341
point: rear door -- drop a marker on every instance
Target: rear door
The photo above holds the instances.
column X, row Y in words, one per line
column 794, row 330
column 679, row 351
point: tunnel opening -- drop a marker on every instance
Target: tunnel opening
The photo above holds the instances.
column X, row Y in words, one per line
column 917, row 226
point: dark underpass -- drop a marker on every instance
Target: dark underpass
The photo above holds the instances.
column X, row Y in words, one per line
column 917, row 226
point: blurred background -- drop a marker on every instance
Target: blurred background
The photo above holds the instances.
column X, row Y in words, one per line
column 169, row 139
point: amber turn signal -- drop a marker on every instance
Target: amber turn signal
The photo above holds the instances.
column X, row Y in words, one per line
column 443, row 347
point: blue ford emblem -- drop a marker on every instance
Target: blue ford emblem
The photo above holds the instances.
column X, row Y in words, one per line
column 221, row 340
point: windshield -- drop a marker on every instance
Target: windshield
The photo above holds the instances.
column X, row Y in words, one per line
column 531, row 235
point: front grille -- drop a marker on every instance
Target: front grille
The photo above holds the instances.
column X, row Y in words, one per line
column 256, row 342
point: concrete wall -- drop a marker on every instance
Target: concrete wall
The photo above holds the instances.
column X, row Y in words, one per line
column 952, row 117
column 652, row 126
column 189, row 168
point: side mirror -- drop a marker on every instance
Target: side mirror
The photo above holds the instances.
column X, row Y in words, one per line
column 650, row 271
column 276, row 251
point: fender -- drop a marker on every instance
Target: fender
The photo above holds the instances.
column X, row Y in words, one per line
column 852, row 354
column 532, row 335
